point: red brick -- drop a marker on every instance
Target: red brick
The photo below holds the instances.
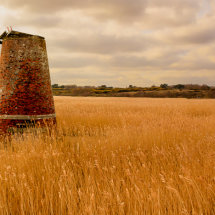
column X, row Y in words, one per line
column 25, row 81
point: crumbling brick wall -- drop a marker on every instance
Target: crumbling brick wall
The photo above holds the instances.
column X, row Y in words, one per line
column 25, row 88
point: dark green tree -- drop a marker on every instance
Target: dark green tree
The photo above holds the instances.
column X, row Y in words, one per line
column 164, row 86
column 179, row 86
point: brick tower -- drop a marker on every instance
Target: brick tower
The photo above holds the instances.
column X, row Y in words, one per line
column 25, row 88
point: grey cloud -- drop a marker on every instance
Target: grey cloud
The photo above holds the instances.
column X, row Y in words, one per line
column 164, row 61
column 178, row 4
column 196, row 36
column 122, row 9
column 196, row 64
column 46, row 21
column 41, row 21
column 84, row 74
column 200, row 37
column 75, row 62
column 102, row 44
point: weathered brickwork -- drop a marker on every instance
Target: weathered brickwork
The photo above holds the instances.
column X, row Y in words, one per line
column 25, row 88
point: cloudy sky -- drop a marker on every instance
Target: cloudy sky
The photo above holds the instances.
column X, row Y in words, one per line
column 121, row 42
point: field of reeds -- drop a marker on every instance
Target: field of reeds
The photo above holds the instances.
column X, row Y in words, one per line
column 114, row 156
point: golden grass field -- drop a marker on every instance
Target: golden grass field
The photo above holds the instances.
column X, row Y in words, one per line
column 115, row 156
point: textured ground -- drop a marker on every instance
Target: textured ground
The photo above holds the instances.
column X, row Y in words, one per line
column 115, row 156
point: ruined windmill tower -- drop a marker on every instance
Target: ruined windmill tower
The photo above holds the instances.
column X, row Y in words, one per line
column 25, row 87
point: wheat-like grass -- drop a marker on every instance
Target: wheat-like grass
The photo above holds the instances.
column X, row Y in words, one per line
column 115, row 156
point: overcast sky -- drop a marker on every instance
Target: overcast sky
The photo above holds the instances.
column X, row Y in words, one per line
column 121, row 42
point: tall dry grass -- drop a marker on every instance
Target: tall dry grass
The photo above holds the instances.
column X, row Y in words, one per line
column 115, row 156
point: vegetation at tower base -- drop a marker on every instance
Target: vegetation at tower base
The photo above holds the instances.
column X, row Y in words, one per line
column 26, row 98
column 162, row 91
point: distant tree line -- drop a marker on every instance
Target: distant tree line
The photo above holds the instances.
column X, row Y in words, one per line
column 187, row 86
column 162, row 91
